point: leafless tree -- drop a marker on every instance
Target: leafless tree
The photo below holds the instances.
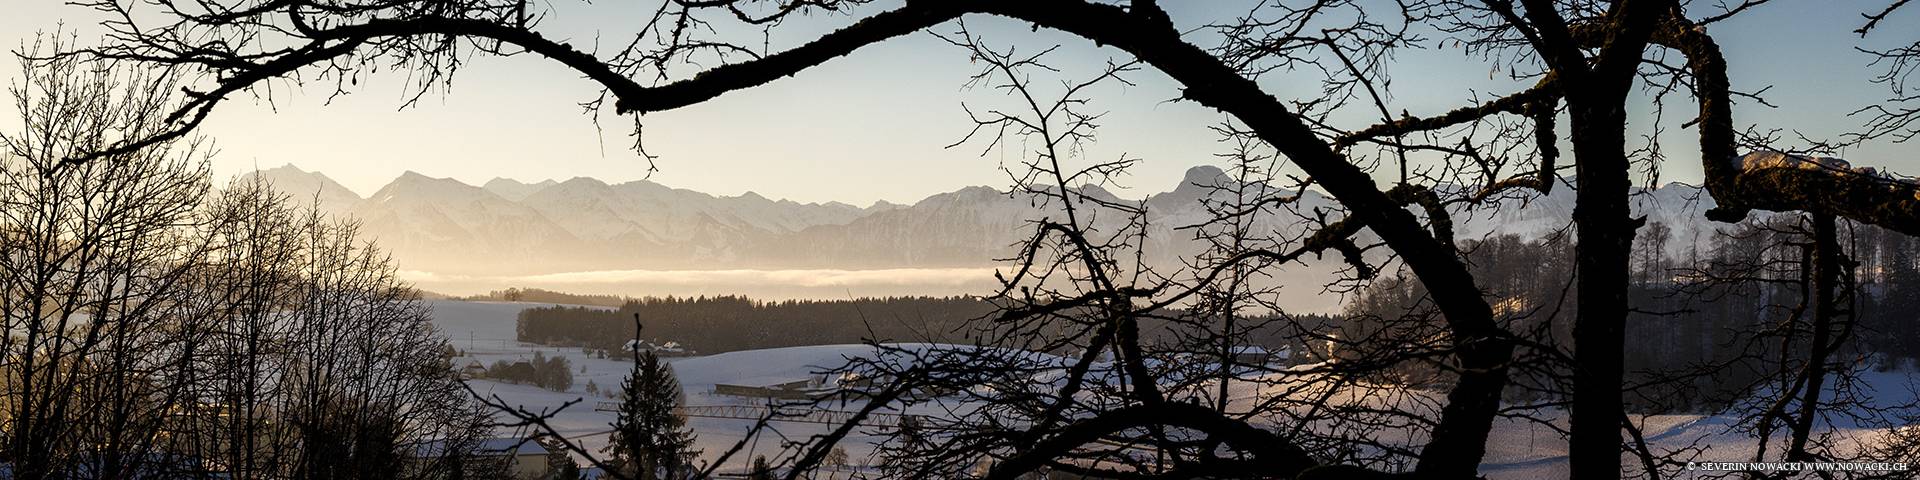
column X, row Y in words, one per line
column 94, row 256
column 1898, row 116
column 319, row 363
column 157, row 326
column 1803, row 361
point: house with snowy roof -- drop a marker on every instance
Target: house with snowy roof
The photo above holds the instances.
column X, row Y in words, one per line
column 523, row 459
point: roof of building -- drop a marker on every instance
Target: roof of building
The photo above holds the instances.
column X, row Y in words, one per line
column 670, row 346
column 764, row 382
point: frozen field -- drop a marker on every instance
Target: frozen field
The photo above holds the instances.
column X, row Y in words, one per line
column 1517, row 450
column 485, row 330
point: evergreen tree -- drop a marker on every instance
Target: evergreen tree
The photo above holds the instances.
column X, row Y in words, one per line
column 560, row 465
column 1898, row 336
column 761, row 469
column 650, row 441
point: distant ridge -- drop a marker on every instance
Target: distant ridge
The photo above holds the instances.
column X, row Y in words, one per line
column 508, row 227
column 307, row 186
column 511, row 189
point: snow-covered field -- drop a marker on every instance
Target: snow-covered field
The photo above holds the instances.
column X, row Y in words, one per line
column 485, row 330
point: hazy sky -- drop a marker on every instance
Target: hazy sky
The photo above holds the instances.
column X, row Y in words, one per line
column 873, row 125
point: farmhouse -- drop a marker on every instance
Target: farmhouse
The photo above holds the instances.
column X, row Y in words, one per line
column 667, row 349
column 859, row 384
column 783, row 388
column 470, row 367
column 524, row 460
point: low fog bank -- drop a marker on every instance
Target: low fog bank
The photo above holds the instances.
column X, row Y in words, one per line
column 759, row 284
column 1301, row 296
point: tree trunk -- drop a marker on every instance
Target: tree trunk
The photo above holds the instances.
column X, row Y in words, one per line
column 1826, row 266
column 1605, row 240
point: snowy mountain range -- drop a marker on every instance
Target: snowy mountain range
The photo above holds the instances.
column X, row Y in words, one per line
column 510, row 227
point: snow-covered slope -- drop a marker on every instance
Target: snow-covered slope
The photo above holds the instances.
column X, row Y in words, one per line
column 310, row 187
column 594, row 209
column 509, row 227
column 1517, row 449
column 515, row 190
column 483, row 332
column 450, row 226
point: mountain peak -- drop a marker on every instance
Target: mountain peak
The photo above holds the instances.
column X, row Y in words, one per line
column 1098, row 192
column 515, row 190
column 1202, row 176
column 584, row 180
column 413, row 176
column 288, row 168
column 305, row 186
column 413, row 183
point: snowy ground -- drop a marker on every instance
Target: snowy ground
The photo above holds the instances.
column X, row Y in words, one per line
column 1517, row 450
column 485, row 330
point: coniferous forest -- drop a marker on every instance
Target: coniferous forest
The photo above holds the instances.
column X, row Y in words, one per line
column 710, row 325
column 1710, row 319
column 721, row 324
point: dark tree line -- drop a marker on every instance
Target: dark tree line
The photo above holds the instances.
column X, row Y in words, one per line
column 728, row 323
column 710, row 325
column 1716, row 304
column 537, row 295
column 554, row 373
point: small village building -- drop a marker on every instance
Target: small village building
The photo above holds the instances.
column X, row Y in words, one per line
column 469, row 367
column 856, row 383
column 1258, row 355
column 783, row 388
column 666, row 349
column 522, row 460
column 525, row 460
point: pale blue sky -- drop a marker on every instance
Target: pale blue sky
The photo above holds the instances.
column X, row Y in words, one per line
column 872, row 126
